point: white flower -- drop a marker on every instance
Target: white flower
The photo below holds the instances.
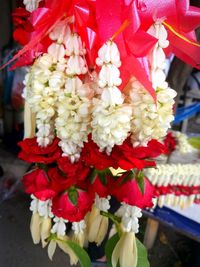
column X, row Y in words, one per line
column 34, row 204
column 150, row 119
column 129, row 215
column 111, row 117
column 125, row 251
column 78, row 227
column 56, row 80
column 45, row 230
column 158, row 78
column 76, row 65
column 57, row 51
column 110, row 125
column 109, row 75
column 60, row 32
column 97, row 225
column 41, row 220
column 74, row 45
column 70, row 150
column 35, row 227
column 42, row 82
column 79, row 232
column 162, row 36
column 166, row 96
column 102, row 203
column 112, row 96
column 44, row 208
column 183, row 145
column 31, row 5
column 72, row 123
column 158, row 55
column 59, row 227
column 109, row 53
column 45, row 61
column 73, row 85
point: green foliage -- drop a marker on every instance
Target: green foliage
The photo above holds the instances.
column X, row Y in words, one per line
column 140, row 181
column 142, row 255
column 73, row 195
column 127, row 177
column 80, row 253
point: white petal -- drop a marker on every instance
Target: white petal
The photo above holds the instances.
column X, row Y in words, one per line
column 45, row 230
column 51, row 249
column 116, row 252
column 128, row 252
column 35, row 227
column 103, row 229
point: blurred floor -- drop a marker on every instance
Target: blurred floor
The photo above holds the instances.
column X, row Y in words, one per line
column 16, row 247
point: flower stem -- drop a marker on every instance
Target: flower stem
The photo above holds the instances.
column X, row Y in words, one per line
column 115, row 219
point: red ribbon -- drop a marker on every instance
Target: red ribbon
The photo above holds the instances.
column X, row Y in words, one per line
column 98, row 20
column 183, row 18
column 109, row 20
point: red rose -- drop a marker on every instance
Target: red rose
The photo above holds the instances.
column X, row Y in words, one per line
column 64, row 207
column 31, row 152
column 129, row 157
column 130, row 193
column 97, row 187
column 154, row 149
column 59, row 181
column 76, row 170
column 170, row 143
column 36, row 182
column 94, row 158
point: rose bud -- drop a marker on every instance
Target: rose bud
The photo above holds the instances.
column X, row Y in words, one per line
column 130, row 193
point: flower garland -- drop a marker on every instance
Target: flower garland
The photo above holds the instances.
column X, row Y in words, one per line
column 183, row 146
column 111, row 118
column 175, row 184
column 73, row 107
column 150, row 119
column 40, row 95
column 96, row 90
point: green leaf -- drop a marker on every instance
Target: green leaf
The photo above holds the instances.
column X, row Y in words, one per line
column 92, row 176
column 129, row 176
column 111, row 216
column 102, row 177
column 142, row 255
column 109, row 173
column 42, row 166
column 80, row 253
column 109, row 247
column 140, row 181
column 195, row 142
column 73, row 195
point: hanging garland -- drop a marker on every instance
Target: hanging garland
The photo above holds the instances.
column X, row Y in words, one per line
column 97, row 106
